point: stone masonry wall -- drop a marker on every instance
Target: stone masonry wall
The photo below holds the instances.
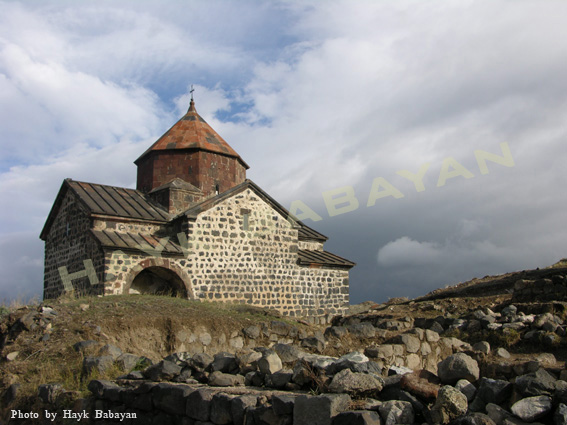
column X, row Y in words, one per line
column 241, row 251
column 551, row 288
column 68, row 245
column 244, row 251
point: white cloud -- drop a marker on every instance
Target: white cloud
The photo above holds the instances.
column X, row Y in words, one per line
column 320, row 95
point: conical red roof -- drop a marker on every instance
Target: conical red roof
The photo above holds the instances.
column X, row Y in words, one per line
column 192, row 132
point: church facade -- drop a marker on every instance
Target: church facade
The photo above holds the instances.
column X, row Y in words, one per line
column 195, row 227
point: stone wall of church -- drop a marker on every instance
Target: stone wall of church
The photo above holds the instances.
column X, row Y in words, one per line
column 72, row 254
column 242, row 251
column 245, row 252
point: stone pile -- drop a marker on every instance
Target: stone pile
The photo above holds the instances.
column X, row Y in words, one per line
column 257, row 388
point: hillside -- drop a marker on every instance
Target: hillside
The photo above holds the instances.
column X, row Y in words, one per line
column 55, row 341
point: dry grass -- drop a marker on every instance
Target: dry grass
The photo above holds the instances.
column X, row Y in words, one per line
column 141, row 324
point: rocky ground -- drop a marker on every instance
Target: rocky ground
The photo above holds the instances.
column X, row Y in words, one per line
column 476, row 353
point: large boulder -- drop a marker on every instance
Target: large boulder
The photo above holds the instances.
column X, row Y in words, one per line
column 560, row 416
column 97, row 364
column 450, row 404
column 396, row 412
column 540, row 382
column 458, row 366
column 162, row 371
column 200, row 361
column 347, row 381
column 224, row 362
column 269, row 362
column 531, row 408
column 319, row 410
column 288, row 353
column 220, row 379
column 494, row 390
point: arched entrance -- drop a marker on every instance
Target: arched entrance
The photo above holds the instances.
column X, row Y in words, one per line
column 158, row 281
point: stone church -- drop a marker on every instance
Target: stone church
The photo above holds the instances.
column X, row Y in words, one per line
column 195, row 227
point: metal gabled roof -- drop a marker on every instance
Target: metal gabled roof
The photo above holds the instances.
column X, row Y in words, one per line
column 312, row 258
column 136, row 241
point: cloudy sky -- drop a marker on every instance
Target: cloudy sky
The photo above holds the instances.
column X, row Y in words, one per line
column 362, row 116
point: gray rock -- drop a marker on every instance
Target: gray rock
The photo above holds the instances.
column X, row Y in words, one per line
column 466, row 388
column 97, row 364
column 362, row 330
column 357, row 417
column 252, row 332
column 319, row 410
column 239, row 406
column 502, row 352
column 135, row 374
column 98, row 386
column 48, row 393
column 450, row 404
column 254, row 379
column 185, row 376
column 431, row 335
column 224, row 362
column 248, row 361
column 336, row 331
column 348, row 382
column 494, row 390
column 458, row 366
column 537, row 383
column 288, row 353
column 482, row 346
column 352, row 361
column 278, row 380
column 269, row 362
column 170, row 398
column 220, row 379
column 127, row 361
column 411, row 342
column 313, row 343
column 531, row 408
column 396, row 412
column 221, row 409
column 509, row 311
column 11, row 394
column 265, row 415
column 110, row 350
column 436, row 327
column 560, row 416
column 280, row 328
column 198, row 404
column 200, row 361
column 283, row 404
column 497, row 413
column 162, row 371
column 560, row 394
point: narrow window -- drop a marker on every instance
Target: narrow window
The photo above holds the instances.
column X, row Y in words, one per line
column 217, row 189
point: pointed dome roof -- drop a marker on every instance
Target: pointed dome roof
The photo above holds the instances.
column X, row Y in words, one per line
column 192, row 132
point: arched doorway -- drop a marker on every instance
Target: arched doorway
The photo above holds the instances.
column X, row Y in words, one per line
column 158, row 281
